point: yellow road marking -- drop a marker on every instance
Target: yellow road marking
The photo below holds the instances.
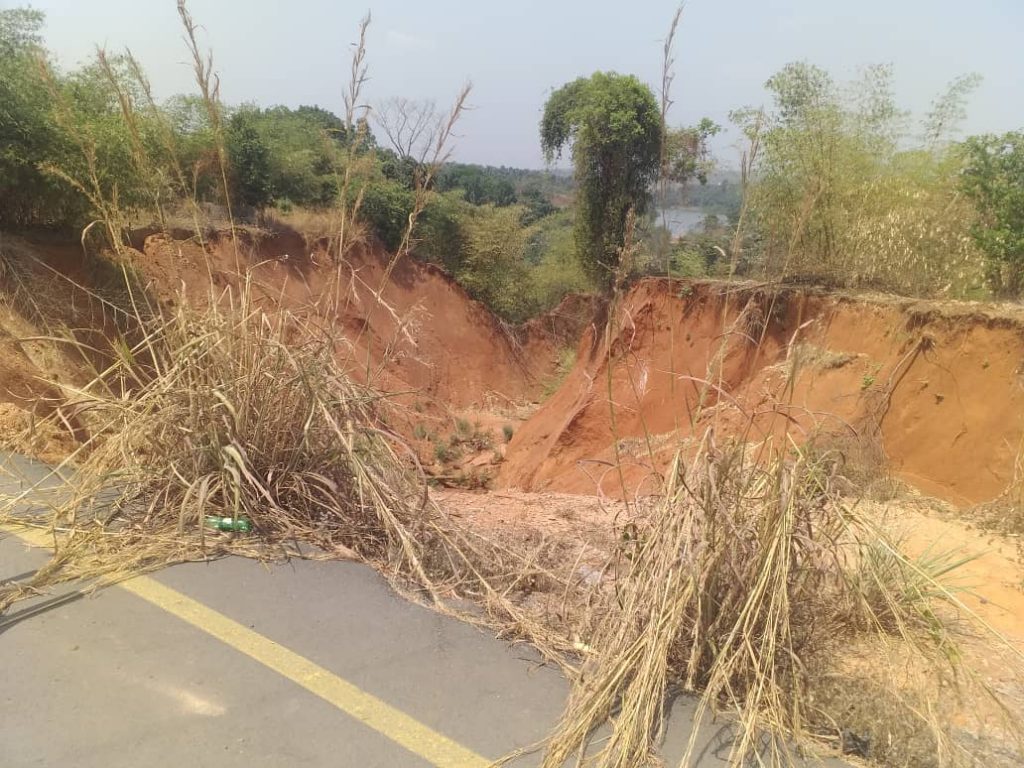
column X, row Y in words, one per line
column 392, row 723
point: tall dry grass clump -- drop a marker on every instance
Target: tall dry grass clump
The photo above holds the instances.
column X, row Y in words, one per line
column 232, row 411
column 236, row 409
column 751, row 585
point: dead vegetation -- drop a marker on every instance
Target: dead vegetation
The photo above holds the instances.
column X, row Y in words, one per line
column 232, row 411
column 746, row 585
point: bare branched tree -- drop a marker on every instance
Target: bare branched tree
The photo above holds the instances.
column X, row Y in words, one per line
column 410, row 126
column 436, row 155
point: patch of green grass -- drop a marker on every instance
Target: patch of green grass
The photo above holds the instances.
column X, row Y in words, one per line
column 566, row 361
column 472, row 436
column 447, row 452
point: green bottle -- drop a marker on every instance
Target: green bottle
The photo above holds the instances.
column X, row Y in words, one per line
column 241, row 525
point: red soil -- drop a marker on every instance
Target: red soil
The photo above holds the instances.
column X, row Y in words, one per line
column 945, row 382
column 412, row 330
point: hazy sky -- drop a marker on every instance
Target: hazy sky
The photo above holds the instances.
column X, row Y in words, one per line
column 296, row 52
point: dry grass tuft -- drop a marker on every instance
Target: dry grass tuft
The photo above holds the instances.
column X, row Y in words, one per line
column 234, row 411
column 748, row 585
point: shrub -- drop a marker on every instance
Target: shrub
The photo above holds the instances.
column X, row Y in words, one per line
column 493, row 267
column 555, row 269
column 385, row 207
column 841, row 196
column 993, row 178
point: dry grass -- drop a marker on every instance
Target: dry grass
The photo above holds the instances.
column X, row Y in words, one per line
column 748, row 585
column 747, row 581
column 231, row 410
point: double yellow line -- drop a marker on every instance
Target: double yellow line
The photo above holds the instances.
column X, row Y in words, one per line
column 372, row 712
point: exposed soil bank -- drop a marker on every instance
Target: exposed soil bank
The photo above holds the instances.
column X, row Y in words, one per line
column 941, row 385
column 411, row 327
column 938, row 388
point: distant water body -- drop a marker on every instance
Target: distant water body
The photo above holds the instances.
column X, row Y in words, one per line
column 681, row 221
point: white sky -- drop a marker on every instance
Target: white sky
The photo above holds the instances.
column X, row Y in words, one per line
column 296, row 52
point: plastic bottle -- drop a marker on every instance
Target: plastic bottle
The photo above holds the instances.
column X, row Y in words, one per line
column 239, row 525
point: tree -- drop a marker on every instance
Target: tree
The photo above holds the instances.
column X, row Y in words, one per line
column 409, row 126
column 949, row 110
column 840, row 194
column 250, row 160
column 687, row 155
column 993, row 178
column 482, row 185
column 28, row 135
column 302, row 147
column 613, row 124
column 493, row 267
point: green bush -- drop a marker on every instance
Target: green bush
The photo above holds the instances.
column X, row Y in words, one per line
column 493, row 267
column 993, row 178
column 386, row 206
column 687, row 261
column 555, row 269
column 439, row 232
column 250, row 161
column 842, row 195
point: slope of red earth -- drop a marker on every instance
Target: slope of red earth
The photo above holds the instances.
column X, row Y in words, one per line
column 412, row 328
column 405, row 328
column 939, row 385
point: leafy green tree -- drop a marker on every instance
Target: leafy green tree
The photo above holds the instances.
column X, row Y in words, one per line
column 440, row 231
column 537, row 204
column 493, row 268
column 28, row 134
column 481, row 185
column 613, row 124
column 687, row 155
column 554, row 272
column 386, row 205
column 303, row 147
column 993, row 178
column 250, row 160
column 111, row 153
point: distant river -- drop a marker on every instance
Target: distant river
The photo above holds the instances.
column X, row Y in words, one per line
column 682, row 220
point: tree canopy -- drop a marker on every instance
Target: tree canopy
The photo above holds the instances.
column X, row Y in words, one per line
column 613, row 124
column 993, row 178
column 687, row 155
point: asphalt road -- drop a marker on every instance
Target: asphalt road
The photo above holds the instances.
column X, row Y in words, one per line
column 233, row 663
